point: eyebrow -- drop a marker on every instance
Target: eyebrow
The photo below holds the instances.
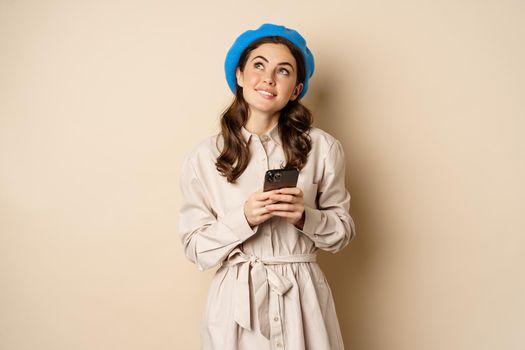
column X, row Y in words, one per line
column 280, row 63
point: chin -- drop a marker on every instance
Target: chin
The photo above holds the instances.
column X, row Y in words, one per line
column 262, row 107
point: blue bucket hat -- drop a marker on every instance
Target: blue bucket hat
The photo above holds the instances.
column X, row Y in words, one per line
column 267, row 29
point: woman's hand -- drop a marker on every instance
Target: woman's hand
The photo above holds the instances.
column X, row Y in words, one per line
column 255, row 207
column 288, row 203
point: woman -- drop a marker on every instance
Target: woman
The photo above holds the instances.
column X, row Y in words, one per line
column 269, row 293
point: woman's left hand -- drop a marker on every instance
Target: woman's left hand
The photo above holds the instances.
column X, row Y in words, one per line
column 290, row 205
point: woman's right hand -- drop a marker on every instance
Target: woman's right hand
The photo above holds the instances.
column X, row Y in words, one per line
column 254, row 207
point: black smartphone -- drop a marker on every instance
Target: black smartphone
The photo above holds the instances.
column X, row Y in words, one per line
column 280, row 178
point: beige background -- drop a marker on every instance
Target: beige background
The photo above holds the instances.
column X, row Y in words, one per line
column 99, row 101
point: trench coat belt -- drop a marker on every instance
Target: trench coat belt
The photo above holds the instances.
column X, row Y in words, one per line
column 261, row 278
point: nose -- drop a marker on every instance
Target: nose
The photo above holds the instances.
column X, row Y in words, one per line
column 268, row 79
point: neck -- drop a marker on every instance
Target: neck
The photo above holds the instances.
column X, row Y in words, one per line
column 261, row 124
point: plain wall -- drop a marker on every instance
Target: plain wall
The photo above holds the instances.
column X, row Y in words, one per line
column 100, row 100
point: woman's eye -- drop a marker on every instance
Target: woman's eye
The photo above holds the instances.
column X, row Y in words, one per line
column 258, row 65
column 284, row 71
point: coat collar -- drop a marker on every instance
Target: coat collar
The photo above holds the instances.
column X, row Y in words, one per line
column 272, row 134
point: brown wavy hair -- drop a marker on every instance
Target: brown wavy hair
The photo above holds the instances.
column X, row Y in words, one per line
column 294, row 124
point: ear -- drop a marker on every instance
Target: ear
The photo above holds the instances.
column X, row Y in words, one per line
column 240, row 77
column 296, row 91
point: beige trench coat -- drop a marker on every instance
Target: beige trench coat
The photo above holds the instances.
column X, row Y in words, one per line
column 268, row 293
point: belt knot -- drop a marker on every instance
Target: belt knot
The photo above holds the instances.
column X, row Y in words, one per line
column 254, row 259
column 263, row 281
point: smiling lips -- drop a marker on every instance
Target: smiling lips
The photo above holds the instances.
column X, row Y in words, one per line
column 266, row 94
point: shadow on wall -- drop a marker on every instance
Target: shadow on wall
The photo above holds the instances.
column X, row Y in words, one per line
column 349, row 272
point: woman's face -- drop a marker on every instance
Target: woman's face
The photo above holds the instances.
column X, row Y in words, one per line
column 269, row 79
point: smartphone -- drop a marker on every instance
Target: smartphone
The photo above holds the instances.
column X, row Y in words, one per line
column 280, row 178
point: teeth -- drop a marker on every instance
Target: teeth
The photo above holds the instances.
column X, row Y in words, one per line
column 265, row 93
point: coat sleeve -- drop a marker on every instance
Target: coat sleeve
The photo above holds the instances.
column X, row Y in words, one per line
column 330, row 226
column 207, row 239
